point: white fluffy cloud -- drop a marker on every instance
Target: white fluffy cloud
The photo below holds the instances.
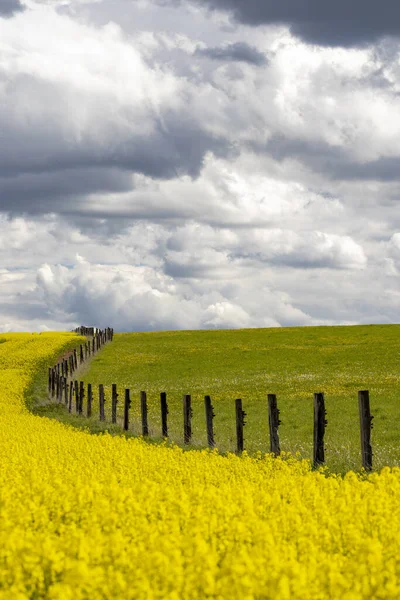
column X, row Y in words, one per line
column 158, row 173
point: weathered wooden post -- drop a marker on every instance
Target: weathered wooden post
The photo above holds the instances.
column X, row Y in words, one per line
column 101, row 402
column 365, row 428
column 71, row 391
column 60, row 389
column 209, row 421
column 187, row 418
column 164, row 413
column 240, row 423
column 89, row 347
column 81, row 396
column 75, row 359
column 274, row 422
column 57, row 392
column 89, row 402
column 127, row 406
column 114, row 402
column 319, row 428
column 80, row 354
column 66, row 392
column 76, row 389
column 53, row 382
column 93, row 344
column 49, row 388
column 143, row 406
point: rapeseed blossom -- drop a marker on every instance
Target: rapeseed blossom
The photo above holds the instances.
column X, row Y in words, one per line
column 96, row 516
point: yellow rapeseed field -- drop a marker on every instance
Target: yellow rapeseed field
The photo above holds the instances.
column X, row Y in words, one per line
column 102, row 517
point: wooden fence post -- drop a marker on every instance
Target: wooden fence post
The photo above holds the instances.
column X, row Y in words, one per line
column 57, row 392
column 274, row 422
column 81, row 396
column 319, row 428
column 101, row 402
column 76, row 389
column 164, row 413
column 53, row 382
column 114, row 402
column 75, row 359
column 143, row 406
column 89, row 400
column 66, row 392
column 209, row 421
column 49, row 386
column 187, row 418
column 365, row 428
column 71, row 391
column 240, row 423
column 60, row 388
column 127, row 405
column 80, row 354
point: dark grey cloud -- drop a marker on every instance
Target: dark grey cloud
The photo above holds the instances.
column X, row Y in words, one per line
column 24, row 310
column 9, row 7
column 331, row 161
column 174, row 145
column 237, row 51
column 39, row 192
column 340, row 23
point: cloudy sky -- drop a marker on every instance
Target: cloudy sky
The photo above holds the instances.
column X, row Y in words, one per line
column 186, row 164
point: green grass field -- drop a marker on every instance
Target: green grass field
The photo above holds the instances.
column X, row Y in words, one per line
column 292, row 363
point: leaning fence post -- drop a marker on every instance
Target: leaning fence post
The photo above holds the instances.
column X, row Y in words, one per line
column 127, row 405
column 114, row 401
column 80, row 354
column 209, row 420
column 143, row 406
column 75, row 359
column 319, row 428
column 101, row 402
column 274, row 422
column 365, row 428
column 187, row 418
column 240, row 423
column 89, row 400
column 164, row 413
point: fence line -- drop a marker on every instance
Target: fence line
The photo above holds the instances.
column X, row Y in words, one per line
column 60, row 374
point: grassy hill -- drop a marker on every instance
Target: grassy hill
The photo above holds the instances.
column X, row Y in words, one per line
column 292, row 363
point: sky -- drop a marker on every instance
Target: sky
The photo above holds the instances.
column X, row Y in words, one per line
column 199, row 164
